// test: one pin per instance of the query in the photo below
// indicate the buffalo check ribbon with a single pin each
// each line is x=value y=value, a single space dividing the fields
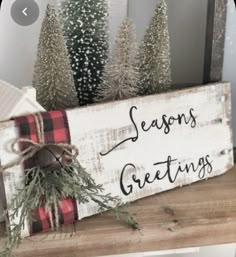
x=56 y=130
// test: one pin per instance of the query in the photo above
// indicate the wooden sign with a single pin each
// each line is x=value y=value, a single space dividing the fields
x=147 y=145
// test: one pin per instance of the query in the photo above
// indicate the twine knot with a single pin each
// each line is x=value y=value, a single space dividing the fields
x=33 y=147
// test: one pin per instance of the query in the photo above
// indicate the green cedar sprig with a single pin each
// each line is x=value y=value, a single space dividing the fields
x=71 y=181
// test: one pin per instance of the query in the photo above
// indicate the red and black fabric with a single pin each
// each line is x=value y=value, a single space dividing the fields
x=56 y=130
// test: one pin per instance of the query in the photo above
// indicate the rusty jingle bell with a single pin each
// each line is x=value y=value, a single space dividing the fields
x=50 y=157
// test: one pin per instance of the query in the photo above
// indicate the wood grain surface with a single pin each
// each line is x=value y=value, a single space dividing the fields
x=145 y=145
x=126 y=145
x=197 y=215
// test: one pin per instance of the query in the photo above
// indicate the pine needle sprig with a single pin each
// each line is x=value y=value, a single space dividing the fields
x=48 y=188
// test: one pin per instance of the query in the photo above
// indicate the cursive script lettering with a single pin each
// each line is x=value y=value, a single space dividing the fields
x=132 y=139
x=202 y=167
x=164 y=124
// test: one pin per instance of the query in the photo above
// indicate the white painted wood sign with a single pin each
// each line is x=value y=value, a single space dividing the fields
x=147 y=145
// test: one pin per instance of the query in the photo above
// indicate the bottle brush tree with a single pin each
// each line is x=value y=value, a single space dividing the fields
x=53 y=77
x=120 y=79
x=154 y=54
x=86 y=29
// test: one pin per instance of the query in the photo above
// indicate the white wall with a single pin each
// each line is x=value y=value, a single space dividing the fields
x=187 y=32
x=118 y=11
x=18 y=46
x=187 y=26
x=230 y=57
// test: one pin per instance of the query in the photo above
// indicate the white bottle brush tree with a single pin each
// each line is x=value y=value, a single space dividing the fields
x=53 y=77
x=121 y=75
x=86 y=29
x=154 y=54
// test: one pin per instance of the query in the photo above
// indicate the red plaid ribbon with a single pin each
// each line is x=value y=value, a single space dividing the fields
x=56 y=130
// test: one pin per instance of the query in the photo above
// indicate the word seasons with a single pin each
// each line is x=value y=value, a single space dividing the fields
x=162 y=169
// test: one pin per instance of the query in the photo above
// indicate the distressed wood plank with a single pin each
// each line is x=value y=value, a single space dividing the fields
x=100 y=128
x=198 y=215
x=145 y=145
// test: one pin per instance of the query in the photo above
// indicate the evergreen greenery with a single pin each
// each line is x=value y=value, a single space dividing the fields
x=71 y=181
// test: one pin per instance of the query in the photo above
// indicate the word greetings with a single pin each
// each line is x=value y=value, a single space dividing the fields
x=163 y=169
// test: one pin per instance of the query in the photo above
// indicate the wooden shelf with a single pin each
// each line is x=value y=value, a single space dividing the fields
x=197 y=215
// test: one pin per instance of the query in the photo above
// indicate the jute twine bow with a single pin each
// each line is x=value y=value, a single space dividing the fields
x=71 y=154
